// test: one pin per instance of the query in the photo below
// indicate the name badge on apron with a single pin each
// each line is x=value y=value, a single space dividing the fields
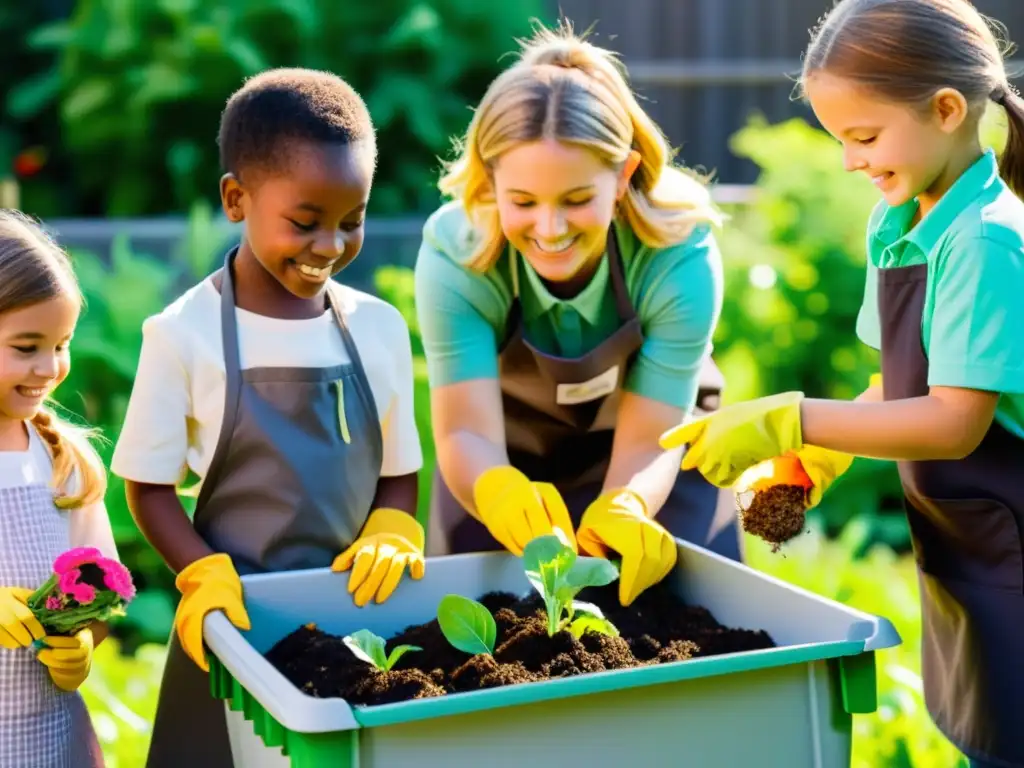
x=600 y=386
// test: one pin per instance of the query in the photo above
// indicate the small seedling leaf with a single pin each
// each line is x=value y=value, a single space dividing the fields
x=467 y=624
x=543 y=549
x=368 y=647
x=398 y=652
x=558 y=574
x=545 y=560
x=591 y=572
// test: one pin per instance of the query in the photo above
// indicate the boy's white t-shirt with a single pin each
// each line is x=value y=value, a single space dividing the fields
x=174 y=415
x=88 y=526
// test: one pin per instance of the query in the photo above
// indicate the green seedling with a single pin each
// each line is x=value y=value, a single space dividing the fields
x=467 y=625
x=372 y=649
x=559 y=574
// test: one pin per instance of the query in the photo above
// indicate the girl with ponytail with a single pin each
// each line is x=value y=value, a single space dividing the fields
x=567 y=297
x=51 y=499
x=903 y=86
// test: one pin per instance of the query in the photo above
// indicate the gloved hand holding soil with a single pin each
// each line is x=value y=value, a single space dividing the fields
x=773 y=498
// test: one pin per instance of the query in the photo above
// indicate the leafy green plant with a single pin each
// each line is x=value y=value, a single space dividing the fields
x=372 y=649
x=119 y=78
x=559 y=574
x=467 y=624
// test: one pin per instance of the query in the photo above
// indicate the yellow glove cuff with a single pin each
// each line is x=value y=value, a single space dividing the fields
x=388 y=520
x=200 y=569
x=814 y=458
x=823 y=466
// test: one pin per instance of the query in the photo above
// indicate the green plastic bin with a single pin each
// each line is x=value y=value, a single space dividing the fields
x=789 y=706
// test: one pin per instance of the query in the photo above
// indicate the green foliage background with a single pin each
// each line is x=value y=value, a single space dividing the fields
x=126 y=95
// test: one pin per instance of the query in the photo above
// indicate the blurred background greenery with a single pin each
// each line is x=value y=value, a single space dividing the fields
x=118 y=100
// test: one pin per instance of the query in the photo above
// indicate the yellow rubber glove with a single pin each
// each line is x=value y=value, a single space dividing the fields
x=725 y=444
x=18 y=625
x=516 y=510
x=823 y=467
x=69 y=659
x=820 y=468
x=390 y=541
x=617 y=520
x=209 y=584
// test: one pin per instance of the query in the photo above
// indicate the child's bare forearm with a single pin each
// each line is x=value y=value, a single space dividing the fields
x=163 y=521
x=399 y=492
x=947 y=424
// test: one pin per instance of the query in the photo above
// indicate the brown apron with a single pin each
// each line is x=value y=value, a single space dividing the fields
x=966 y=518
x=289 y=486
x=560 y=418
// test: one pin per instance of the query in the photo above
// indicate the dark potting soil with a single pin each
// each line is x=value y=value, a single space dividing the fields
x=776 y=514
x=657 y=628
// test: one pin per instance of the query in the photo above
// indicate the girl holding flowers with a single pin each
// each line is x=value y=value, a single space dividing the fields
x=51 y=490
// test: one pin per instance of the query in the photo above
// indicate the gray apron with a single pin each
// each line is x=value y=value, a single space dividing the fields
x=41 y=726
x=290 y=485
x=557 y=432
x=966 y=518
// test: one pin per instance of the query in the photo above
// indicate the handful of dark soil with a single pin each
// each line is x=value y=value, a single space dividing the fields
x=774 y=505
x=775 y=514
x=656 y=629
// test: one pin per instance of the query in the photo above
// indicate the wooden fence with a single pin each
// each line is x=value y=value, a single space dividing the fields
x=704 y=66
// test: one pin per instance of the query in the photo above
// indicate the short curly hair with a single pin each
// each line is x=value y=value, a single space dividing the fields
x=289 y=104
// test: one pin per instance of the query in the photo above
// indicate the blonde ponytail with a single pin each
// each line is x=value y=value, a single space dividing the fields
x=568 y=89
x=75 y=462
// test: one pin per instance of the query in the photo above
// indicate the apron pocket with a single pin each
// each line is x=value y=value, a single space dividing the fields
x=976 y=541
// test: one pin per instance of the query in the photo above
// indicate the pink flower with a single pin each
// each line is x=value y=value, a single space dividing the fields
x=53 y=603
x=76 y=558
x=117 y=578
x=70 y=585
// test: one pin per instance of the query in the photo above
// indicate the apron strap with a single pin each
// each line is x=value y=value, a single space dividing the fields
x=334 y=301
x=513 y=263
x=233 y=388
x=618 y=277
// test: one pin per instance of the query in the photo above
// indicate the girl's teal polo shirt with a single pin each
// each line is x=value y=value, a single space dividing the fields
x=676 y=291
x=973 y=323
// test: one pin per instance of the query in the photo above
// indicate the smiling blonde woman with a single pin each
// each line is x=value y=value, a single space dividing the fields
x=567 y=296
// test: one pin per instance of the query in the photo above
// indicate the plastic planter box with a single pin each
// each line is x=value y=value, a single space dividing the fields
x=788 y=706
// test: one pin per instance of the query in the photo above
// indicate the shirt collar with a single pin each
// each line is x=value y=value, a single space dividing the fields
x=980 y=176
x=976 y=179
x=538 y=300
